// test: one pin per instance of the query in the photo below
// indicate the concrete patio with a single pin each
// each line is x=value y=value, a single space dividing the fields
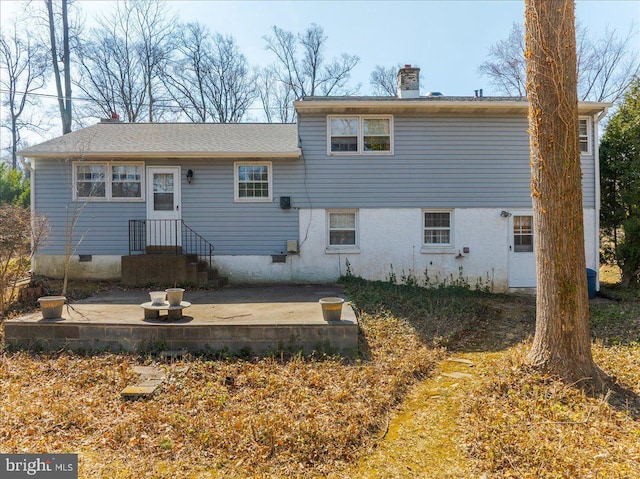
x=259 y=320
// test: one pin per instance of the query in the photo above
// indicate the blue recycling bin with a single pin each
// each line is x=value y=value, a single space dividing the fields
x=591 y=283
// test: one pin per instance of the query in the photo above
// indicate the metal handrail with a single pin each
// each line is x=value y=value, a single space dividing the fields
x=167 y=236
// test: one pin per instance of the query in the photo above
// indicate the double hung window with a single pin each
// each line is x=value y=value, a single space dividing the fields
x=343 y=228
x=253 y=181
x=584 y=135
x=437 y=227
x=363 y=134
x=114 y=181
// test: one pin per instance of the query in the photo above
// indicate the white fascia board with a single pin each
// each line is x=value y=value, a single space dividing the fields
x=509 y=106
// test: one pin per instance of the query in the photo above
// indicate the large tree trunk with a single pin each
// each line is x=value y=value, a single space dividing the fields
x=562 y=344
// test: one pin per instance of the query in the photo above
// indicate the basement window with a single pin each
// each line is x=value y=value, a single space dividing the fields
x=437 y=228
x=342 y=230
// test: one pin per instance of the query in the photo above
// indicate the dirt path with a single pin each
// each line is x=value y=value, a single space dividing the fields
x=423 y=438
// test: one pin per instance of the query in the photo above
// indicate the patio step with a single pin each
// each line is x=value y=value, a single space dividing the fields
x=139 y=270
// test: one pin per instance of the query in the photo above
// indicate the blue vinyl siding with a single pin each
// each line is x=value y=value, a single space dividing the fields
x=207 y=207
x=438 y=162
x=102 y=228
x=449 y=162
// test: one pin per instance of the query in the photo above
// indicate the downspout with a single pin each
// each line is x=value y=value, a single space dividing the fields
x=32 y=201
x=596 y=159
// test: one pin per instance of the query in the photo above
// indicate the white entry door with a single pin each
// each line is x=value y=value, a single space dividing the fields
x=522 y=260
x=163 y=206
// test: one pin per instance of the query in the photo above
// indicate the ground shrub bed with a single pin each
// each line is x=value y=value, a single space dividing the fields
x=439 y=315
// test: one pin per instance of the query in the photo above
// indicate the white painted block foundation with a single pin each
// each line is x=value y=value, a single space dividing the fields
x=389 y=241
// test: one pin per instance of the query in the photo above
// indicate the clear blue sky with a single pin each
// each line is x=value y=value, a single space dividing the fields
x=446 y=39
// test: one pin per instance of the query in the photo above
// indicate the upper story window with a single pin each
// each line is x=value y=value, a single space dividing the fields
x=363 y=134
x=253 y=181
x=116 y=181
x=584 y=135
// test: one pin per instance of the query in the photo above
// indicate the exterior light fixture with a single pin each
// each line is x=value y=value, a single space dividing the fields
x=504 y=214
x=189 y=176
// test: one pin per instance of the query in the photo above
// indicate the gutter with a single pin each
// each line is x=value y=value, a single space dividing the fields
x=596 y=150
x=32 y=203
x=295 y=154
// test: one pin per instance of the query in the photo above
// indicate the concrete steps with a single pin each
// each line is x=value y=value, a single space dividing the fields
x=169 y=270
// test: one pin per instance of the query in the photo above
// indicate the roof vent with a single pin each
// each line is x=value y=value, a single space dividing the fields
x=409 y=82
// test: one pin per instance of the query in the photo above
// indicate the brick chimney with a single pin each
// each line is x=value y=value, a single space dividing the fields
x=115 y=118
x=409 y=82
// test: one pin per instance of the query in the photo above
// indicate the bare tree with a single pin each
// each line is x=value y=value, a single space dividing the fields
x=61 y=54
x=111 y=75
x=121 y=66
x=210 y=79
x=24 y=65
x=506 y=66
x=302 y=67
x=233 y=85
x=384 y=80
x=20 y=237
x=605 y=66
x=156 y=34
x=562 y=343
x=185 y=79
x=276 y=96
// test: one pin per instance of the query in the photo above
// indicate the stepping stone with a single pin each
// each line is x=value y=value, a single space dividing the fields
x=174 y=354
x=149 y=372
x=456 y=375
x=150 y=380
x=135 y=392
x=461 y=361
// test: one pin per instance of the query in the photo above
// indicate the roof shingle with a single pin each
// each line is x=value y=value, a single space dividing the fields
x=195 y=140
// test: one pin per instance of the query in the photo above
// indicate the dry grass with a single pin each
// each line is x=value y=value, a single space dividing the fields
x=518 y=423
x=228 y=418
x=392 y=413
x=301 y=417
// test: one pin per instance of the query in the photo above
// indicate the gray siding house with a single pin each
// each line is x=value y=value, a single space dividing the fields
x=429 y=186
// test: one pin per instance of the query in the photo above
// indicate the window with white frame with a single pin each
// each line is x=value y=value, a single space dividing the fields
x=253 y=181
x=437 y=227
x=363 y=134
x=343 y=228
x=116 y=181
x=584 y=135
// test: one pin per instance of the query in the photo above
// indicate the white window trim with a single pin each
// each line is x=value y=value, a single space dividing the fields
x=236 y=181
x=438 y=248
x=335 y=249
x=360 y=136
x=108 y=179
x=589 y=135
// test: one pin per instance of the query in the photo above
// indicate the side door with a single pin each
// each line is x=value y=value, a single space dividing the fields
x=163 y=206
x=522 y=260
